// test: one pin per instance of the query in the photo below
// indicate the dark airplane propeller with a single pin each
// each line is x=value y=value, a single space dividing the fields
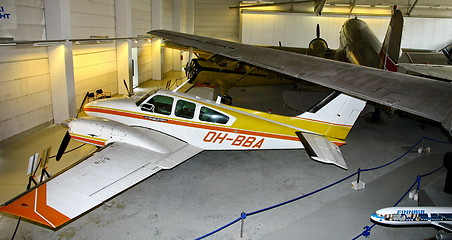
x=317 y=31
x=63 y=146
x=318 y=46
x=67 y=137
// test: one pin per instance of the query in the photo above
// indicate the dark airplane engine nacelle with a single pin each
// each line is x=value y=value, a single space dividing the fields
x=192 y=70
x=444 y=236
x=318 y=47
x=101 y=132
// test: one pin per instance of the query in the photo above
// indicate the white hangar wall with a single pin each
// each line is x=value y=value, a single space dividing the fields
x=297 y=30
x=94 y=65
x=213 y=18
x=141 y=24
x=25 y=85
x=25 y=97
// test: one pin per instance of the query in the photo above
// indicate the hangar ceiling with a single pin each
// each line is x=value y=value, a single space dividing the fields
x=413 y=8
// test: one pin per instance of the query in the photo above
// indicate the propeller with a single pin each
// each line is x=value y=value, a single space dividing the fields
x=63 y=146
x=317 y=31
x=318 y=46
x=67 y=138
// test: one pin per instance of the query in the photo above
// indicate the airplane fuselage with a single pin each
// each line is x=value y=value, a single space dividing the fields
x=202 y=123
x=413 y=215
x=359 y=43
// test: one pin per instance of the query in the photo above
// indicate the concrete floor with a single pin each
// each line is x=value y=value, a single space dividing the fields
x=214 y=187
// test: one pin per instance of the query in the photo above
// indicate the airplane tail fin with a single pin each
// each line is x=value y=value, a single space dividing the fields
x=334 y=116
x=330 y=122
x=390 y=49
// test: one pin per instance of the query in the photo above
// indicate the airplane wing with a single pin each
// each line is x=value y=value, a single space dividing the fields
x=92 y=181
x=444 y=225
x=423 y=97
x=442 y=72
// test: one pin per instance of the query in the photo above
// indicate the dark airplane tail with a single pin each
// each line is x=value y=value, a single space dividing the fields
x=390 y=50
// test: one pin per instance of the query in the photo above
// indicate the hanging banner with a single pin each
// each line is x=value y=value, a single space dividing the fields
x=8 y=18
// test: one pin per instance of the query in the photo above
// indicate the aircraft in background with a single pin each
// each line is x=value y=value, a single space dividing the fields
x=431 y=64
x=358 y=45
x=160 y=130
x=407 y=216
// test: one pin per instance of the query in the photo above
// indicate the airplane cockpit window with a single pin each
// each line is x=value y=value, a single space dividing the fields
x=159 y=104
x=210 y=115
x=144 y=97
x=185 y=109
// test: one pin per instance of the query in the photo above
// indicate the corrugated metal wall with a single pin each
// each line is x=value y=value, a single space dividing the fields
x=25 y=100
x=94 y=65
x=141 y=24
x=213 y=18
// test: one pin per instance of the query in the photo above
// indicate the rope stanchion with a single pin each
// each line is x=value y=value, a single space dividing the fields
x=242 y=216
x=367 y=229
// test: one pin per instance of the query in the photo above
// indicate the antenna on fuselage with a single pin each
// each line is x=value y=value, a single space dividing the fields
x=127 y=88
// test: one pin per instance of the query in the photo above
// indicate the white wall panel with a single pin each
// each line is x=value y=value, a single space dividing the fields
x=141 y=24
x=168 y=14
x=144 y=63
x=427 y=33
x=213 y=18
x=183 y=17
x=25 y=100
x=141 y=17
x=297 y=30
x=92 y=18
x=94 y=68
x=30 y=21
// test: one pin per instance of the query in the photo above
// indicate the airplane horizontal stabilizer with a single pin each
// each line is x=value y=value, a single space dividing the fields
x=321 y=149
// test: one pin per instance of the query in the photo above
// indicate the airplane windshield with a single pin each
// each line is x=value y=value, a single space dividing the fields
x=144 y=97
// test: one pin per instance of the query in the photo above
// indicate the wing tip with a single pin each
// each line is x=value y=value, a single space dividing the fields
x=33 y=206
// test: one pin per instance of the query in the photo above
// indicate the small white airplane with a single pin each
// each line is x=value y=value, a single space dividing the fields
x=438 y=216
x=160 y=130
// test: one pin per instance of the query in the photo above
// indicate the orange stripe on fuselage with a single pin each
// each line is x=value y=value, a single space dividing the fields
x=33 y=206
x=193 y=125
x=88 y=140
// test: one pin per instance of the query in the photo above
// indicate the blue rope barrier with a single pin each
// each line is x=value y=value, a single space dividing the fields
x=367 y=229
x=303 y=196
x=219 y=229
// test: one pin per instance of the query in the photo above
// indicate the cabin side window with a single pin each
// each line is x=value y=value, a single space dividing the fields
x=185 y=109
x=159 y=104
x=210 y=115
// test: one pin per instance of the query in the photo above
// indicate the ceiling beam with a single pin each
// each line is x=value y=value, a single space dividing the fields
x=352 y=5
x=411 y=7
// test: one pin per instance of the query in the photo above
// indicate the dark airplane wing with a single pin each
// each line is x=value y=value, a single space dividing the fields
x=423 y=97
x=441 y=72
